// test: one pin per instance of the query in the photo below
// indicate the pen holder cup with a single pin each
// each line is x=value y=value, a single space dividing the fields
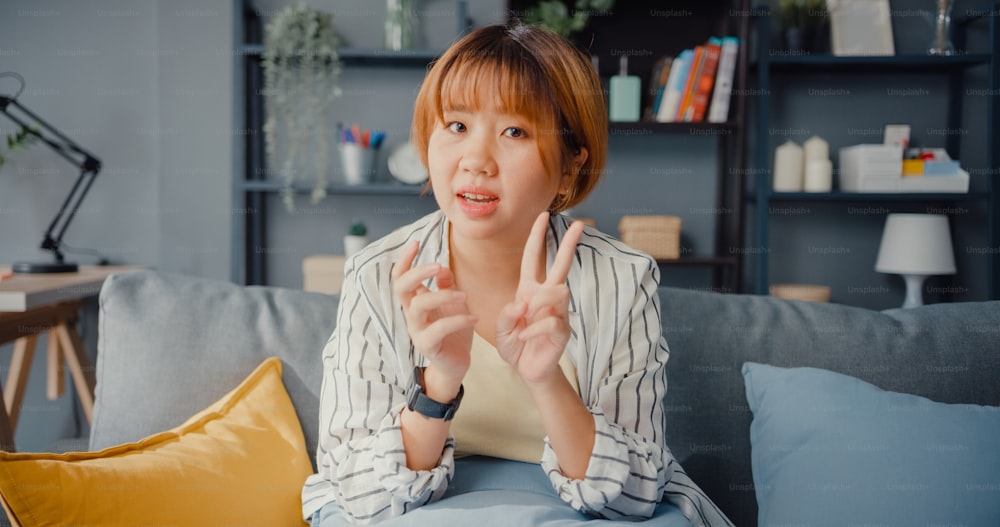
x=358 y=163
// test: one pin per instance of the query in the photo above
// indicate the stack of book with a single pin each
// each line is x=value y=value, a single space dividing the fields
x=696 y=85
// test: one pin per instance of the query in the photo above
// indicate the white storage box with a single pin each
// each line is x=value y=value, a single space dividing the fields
x=870 y=168
x=879 y=168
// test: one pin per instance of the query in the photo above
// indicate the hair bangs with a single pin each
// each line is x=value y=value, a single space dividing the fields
x=511 y=86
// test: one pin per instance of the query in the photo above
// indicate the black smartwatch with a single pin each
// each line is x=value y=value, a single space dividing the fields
x=417 y=400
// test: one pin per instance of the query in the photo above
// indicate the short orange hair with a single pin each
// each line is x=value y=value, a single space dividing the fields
x=532 y=72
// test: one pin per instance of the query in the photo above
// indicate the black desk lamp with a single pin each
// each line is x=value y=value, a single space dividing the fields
x=89 y=167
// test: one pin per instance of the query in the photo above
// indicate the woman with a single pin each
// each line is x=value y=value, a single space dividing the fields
x=495 y=325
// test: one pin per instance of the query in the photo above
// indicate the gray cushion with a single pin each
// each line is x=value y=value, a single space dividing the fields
x=946 y=352
x=170 y=345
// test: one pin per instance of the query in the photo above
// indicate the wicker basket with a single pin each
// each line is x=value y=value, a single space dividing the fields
x=657 y=236
x=805 y=292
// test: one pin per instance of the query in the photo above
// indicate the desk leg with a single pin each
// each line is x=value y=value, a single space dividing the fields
x=79 y=366
x=56 y=385
x=6 y=433
x=17 y=377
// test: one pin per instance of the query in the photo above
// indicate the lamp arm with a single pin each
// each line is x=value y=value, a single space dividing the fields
x=69 y=207
x=88 y=161
x=89 y=167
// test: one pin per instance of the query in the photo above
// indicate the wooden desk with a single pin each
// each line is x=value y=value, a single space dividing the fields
x=34 y=303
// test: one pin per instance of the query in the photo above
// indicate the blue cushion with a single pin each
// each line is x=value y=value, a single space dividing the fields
x=491 y=491
x=830 y=449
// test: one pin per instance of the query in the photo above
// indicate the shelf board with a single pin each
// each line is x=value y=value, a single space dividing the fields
x=699 y=261
x=873 y=196
x=654 y=128
x=896 y=63
x=366 y=56
x=382 y=189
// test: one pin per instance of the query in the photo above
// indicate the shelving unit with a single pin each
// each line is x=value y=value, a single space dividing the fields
x=718 y=18
x=650 y=31
x=952 y=67
x=250 y=187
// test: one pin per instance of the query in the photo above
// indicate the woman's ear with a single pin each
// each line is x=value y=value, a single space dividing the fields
x=580 y=158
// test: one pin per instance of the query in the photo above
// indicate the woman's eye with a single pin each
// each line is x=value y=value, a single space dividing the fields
x=515 y=132
x=456 y=127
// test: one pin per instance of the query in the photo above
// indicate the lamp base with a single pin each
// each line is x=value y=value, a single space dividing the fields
x=37 y=268
x=914 y=290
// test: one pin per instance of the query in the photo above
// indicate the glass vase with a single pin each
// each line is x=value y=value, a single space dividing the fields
x=941 y=45
x=400 y=19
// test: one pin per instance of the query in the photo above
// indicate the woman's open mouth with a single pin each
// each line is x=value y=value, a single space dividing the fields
x=477 y=203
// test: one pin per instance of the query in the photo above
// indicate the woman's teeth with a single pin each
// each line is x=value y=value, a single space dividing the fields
x=477 y=197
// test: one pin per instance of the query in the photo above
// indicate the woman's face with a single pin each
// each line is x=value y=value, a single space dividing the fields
x=487 y=173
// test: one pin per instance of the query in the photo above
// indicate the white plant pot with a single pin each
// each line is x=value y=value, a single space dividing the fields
x=353 y=244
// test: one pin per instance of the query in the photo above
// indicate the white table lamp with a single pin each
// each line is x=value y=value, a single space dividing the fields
x=915 y=246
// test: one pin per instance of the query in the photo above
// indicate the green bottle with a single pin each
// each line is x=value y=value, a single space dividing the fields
x=624 y=95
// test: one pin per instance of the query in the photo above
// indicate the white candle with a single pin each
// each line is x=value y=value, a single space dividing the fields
x=788 y=168
x=819 y=175
x=816 y=148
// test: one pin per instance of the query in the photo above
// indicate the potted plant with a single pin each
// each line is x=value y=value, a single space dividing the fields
x=356 y=239
x=554 y=14
x=301 y=67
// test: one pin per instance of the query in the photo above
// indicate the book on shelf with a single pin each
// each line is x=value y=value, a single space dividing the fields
x=697 y=84
x=697 y=62
x=657 y=83
x=718 y=110
x=667 y=111
x=702 y=87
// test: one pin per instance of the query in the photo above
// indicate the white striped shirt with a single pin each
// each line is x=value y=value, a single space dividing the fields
x=616 y=344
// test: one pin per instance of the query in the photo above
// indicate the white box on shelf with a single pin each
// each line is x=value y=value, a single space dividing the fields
x=958 y=183
x=870 y=168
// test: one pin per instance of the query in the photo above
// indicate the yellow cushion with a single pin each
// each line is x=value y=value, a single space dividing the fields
x=241 y=461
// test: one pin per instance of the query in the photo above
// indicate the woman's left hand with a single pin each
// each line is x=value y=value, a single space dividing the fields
x=533 y=330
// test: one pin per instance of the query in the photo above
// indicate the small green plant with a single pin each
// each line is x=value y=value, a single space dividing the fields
x=20 y=140
x=358 y=229
x=804 y=14
x=554 y=14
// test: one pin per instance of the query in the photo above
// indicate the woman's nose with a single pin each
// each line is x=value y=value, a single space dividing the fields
x=477 y=156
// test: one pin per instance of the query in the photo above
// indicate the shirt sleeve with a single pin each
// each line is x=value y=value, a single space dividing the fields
x=365 y=378
x=631 y=469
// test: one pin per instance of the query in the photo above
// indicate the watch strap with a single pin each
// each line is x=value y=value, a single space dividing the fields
x=419 y=402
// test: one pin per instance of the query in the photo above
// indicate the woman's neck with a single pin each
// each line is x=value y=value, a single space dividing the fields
x=481 y=260
x=492 y=264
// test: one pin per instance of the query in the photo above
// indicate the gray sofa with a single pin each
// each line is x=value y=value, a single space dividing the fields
x=170 y=345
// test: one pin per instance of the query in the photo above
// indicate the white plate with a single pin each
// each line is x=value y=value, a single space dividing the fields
x=405 y=165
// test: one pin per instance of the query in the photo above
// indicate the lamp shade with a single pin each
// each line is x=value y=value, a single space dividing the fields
x=917 y=244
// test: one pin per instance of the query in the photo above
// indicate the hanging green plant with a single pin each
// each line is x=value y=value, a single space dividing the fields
x=554 y=15
x=301 y=69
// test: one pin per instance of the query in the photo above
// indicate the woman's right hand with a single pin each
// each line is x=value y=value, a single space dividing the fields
x=439 y=322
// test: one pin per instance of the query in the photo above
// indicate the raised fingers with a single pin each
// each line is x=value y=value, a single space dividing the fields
x=548 y=300
x=423 y=304
x=533 y=249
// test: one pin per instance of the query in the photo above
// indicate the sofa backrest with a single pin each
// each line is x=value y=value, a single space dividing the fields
x=946 y=352
x=170 y=345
